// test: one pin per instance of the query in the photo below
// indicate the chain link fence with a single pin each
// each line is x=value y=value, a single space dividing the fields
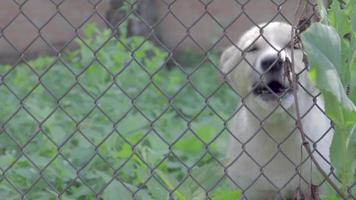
x=117 y=113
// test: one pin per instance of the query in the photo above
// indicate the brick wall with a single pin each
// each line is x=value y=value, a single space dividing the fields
x=206 y=30
x=21 y=24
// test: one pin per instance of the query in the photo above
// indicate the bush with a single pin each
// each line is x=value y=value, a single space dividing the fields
x=109 y=120
x=331 y=49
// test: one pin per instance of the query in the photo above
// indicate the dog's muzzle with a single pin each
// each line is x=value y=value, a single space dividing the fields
x=272 y=90
x=271 y=85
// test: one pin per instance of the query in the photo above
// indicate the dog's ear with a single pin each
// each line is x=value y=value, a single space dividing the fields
x=228 y=61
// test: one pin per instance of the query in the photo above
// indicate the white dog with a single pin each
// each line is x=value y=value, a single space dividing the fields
x=267 y=157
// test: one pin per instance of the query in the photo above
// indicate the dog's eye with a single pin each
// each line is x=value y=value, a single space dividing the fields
x=252 y=48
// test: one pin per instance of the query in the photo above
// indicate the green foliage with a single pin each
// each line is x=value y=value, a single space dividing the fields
x=331 y=50
x=110 y=119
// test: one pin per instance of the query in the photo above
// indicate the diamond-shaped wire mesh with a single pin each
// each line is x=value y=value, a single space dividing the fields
x=119 y=112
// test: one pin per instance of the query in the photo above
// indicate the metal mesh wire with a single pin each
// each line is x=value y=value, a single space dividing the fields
x=134 y=134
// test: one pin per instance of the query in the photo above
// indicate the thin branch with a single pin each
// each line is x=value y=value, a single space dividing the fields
x=294 y=84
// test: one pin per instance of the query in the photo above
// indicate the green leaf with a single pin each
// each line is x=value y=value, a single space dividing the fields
x=191 y=189
x=323 y=13
x=322 y=40
x=227 y=195
x=351 y=147
x=353 y=15
x=116 y=191
x=337 y=112
x=339 y=19
x=125 y=152
x=341 y=154
x=333 y=197
x=157 y=190
x=352 y=92
x=171 y=182
x=322 y=45
x=90 y=30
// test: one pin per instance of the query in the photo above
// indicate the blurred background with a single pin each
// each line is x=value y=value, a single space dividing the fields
x=36 y=27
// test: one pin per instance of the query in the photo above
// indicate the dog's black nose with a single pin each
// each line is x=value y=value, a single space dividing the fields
x=271 y=64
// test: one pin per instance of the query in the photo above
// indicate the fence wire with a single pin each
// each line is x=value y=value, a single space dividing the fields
x=122 y=116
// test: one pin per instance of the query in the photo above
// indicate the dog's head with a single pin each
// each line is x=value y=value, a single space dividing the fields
x=256 y=66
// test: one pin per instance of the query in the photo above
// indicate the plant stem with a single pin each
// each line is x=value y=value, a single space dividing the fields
x=294 y=84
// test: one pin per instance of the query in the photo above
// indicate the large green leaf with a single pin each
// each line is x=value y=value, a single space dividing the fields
x=323 y=47
x=322 y=44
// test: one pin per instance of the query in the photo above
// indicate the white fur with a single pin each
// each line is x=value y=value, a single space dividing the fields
x=263 y=131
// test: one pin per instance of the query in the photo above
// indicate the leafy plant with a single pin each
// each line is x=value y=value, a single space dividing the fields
x=331 y=50
x=109 y=120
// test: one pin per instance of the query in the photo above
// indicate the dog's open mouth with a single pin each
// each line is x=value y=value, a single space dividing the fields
x=273 y=89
